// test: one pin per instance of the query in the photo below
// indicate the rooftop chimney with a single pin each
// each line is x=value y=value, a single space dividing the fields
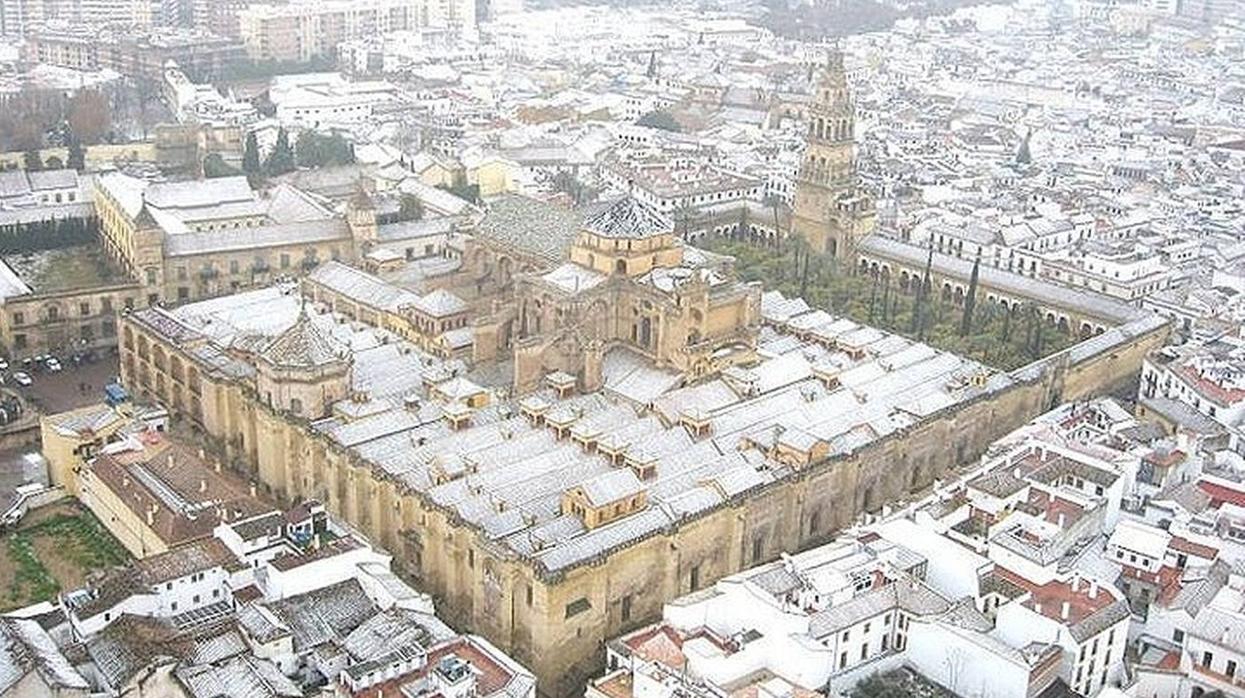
x=1063 y=611
x=1093 y=589
x=202 y=485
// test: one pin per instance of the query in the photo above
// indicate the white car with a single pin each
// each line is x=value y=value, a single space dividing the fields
x=4 y=364
x=53 y=364
x=22 y=378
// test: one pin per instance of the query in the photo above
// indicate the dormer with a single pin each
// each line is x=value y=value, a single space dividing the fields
x=561 y=419
x=641 y=462
x=586 y=436
x=446 y=467
x=561 y=383
x=534 y=407
x=457 y=414
x=798 y=448
x=614 y=448
x=696 y=421
x=828 y=374
x=605 y=498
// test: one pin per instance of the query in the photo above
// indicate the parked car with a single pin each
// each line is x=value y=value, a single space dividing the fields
x=4 y=364
x=23 y=379
x=53 y=364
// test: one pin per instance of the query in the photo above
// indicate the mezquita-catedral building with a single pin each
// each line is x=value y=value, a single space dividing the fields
x=580 y=419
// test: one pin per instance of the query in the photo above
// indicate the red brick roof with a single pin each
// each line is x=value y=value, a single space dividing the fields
x=1052 y=595
x=1220 y=494
x=1184 y=545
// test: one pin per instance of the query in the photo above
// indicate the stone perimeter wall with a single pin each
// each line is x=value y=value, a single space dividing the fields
x=531 y=614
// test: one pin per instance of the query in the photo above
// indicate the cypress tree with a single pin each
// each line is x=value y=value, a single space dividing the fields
x=922 y=292
x=281 y=159
x=250 y=155
x=970 y=299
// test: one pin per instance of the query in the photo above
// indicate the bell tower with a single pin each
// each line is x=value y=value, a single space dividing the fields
x=831 y=212
x=361 y=219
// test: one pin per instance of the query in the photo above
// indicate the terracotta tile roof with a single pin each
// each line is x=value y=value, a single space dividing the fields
x=1048 y=599
x=1187 y=546
x=185 y=497
x=186 y=559
x=1220 y=494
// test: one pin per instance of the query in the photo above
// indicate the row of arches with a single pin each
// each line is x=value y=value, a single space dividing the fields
x=830 y=129
x=954 y=292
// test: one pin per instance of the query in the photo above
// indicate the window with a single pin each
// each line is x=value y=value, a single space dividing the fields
x=625 y=608
x=471 y=558
x=529 y=595
x=1230 y=669
x=577 y=607
x=173 y=606
x=1207 y=658
x=695 y=577
x=19 y=318
x=843 y=660
x=864 y=650
x=233 y=267
x=285 y=261
x=84 y=308
x=1178 y=635
x=105 y=305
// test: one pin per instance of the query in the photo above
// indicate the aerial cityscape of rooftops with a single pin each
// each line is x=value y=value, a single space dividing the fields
x=622 y=349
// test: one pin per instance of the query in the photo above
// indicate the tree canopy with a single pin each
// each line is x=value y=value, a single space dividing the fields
x=661 y=119
x=281 y=159
x=410 y=208
x=215 y=166
x=316 y=150
x=1003 y=339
